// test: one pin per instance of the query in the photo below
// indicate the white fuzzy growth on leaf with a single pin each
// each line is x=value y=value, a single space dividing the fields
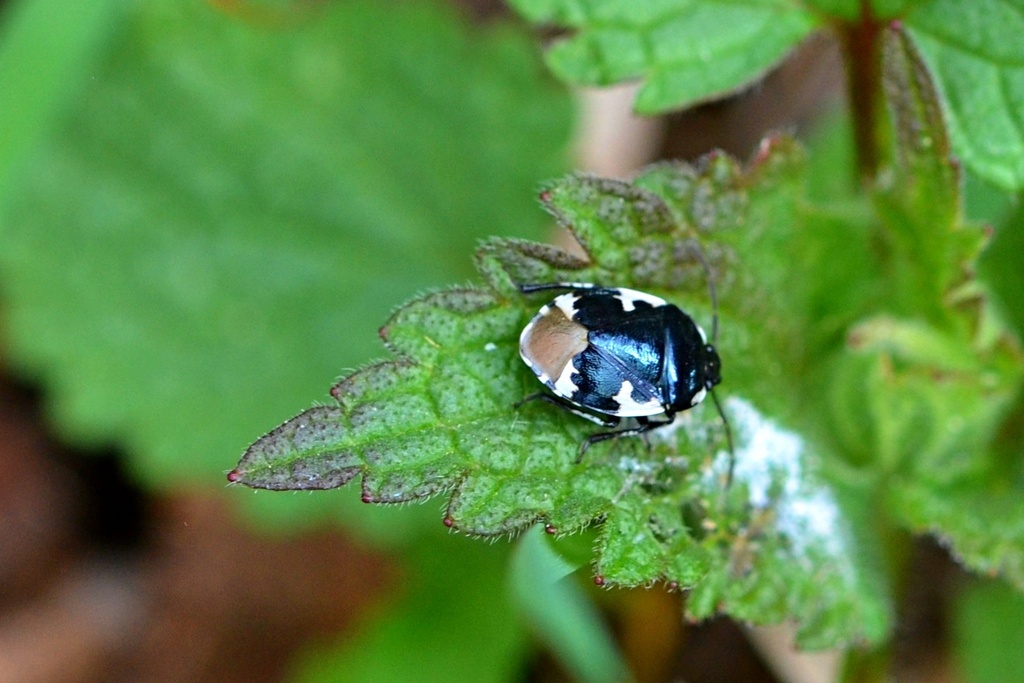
x=772 y=463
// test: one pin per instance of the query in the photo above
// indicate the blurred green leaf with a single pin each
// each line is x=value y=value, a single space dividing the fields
x=947 y=381
x=684 y=51
x=925 y=168
x=982 y=522
x=832 y=162
x=851 y=9
x=1000 y=267
x=976 y=55
x=988 y=628
x=454 y=622
x=908 y=417
x=45 y=49
x=561 y=613
x=928 y=246
x=847 y=9
x=987 y=203
x=222 y=213
x=924 y=382
x=886 y=9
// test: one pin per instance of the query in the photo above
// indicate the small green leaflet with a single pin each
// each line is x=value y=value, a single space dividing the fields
x=684 y=50
x=975 y=53
x=924 y=381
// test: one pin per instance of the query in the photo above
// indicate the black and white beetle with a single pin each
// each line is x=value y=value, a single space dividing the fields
x=611 y=353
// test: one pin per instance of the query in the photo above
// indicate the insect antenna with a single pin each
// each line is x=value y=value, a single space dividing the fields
x=713 y=295
x=728 y=438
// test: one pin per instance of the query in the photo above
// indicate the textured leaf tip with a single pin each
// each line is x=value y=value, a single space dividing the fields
x=915 y=103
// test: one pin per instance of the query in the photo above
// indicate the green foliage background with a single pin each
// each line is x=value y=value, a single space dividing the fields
x=204 y=218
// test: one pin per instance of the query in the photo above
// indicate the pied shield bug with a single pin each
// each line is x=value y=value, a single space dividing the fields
x=624 y=359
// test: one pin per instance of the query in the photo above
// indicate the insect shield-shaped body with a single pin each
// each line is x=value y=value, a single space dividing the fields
x=613 y=353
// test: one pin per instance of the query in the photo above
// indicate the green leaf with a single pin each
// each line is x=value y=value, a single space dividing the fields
x=988 y=628
x=852 y=9
x=832 y=163
x=929 y=247
x=458 y=372
x=797 y=554
x=927 y=175
x=845 y=9
x=439 y=418
x=924 y=382
x=1000 y=267
x=684 y=51
x=221 y=214
x=42 y=63
x=561 y=613
x=918 y=402
x=454 y=622
x=976 y=55
x=986 y=203
x=930 y=383
x=981 y=522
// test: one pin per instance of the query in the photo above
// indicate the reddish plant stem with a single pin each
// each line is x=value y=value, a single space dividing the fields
x=863 y=58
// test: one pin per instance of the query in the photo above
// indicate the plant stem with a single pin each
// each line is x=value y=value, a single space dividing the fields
x=862 y=55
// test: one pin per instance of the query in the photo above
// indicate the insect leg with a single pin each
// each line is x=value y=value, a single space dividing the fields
x=607 y=421
x=546 y=286
x=728 y=438
x=644 y=425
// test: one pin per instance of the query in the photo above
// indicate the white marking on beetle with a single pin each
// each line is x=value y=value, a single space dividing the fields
x=703 y=336
x=593 y=418
x=564 y=386
x=699 y=396
x=522 y=354
x=629 y=297
x=630 y=407
x=565 y=302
